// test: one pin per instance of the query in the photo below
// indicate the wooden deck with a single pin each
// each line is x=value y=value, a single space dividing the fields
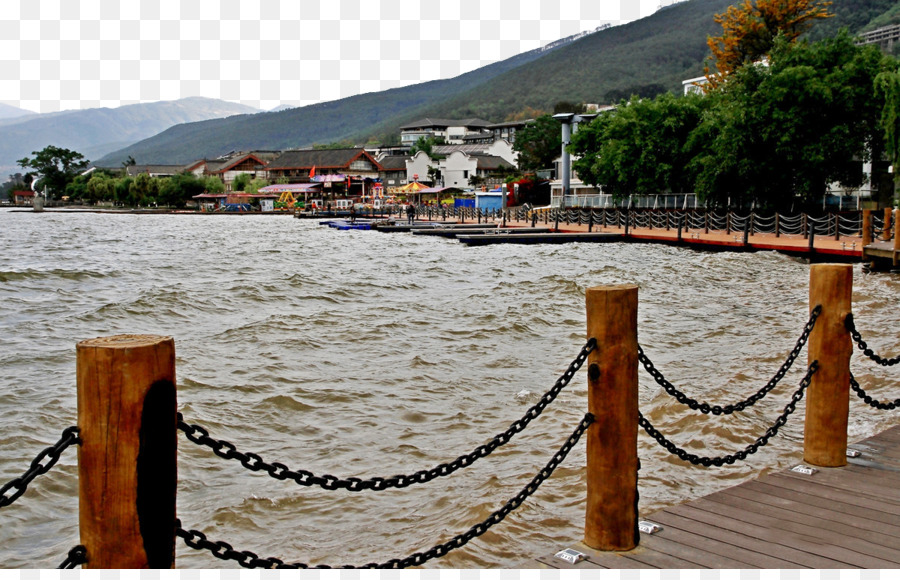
x=847 y=517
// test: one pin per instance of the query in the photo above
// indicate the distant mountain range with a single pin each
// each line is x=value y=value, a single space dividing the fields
x=97 y=132
x=646 y=57
x=10 y=112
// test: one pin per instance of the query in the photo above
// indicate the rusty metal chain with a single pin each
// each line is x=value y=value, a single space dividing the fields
x=224 y=551
x=875 y=403
x=750 y=449
x=20 y=484
x=254 y=462
x=861 y=344
x=706 y=408
x=76 y=557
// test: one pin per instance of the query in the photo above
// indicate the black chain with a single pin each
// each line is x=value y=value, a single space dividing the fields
x=20 y=484
x=706 y=408
x=77 y=556
x=875 y=403
x=740 y=455
x=254 y=462
x=851 y=328
x=224 y=551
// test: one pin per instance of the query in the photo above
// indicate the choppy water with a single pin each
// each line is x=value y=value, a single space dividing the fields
x=367 y=354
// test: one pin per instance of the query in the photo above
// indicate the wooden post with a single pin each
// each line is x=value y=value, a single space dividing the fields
x=866 y=227
x=777 y=225
x=896 y=237
x=127 y=459
x=828 y=395
x=612 y=463
x=837 y=227
x=886 y=231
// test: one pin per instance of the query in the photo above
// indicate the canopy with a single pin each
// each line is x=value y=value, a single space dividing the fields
x=290 y=187
x=412 y=187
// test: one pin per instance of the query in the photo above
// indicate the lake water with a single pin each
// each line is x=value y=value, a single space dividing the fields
x=365 y=354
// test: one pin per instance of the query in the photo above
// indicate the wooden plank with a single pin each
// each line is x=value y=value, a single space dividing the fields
x=706 y=554
x=824 y=556
x=868 y=543
x=742 y=541
x=802 y=512
x=826 y=496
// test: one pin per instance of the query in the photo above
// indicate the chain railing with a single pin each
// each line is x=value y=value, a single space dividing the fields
x=861 y=344
x=872 y=402
x=748 y=450
x=706 y=408
x=254 y=462
x=17 y=486
x=224 y=551
x=38 y=467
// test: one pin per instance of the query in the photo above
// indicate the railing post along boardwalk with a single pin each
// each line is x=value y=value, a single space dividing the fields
x=612 y=464
x=828 y=396
x=127 y=458
x=611 y=521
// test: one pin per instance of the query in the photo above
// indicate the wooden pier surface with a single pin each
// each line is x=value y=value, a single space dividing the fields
x=845 y=517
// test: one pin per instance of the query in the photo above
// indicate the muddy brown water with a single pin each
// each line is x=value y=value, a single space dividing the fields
x=357 y=353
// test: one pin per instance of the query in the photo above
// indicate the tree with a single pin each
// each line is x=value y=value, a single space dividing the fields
x=780 y=134
x=240 y=182
x=749 y=31
x=888 y=86
x=101 y=187
x=641 y=147
x=54 y=168
x=425 y=144
x=539 y=143
x=143 y=190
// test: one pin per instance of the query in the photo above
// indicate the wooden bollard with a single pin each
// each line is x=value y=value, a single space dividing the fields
x=886 y=230
x=611 y=521
x=127 y=459
x=828 y=394
x=896 y=237
x=866 y=227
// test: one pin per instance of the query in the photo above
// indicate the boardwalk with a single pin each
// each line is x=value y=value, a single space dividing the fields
x=847 y=248
x=847 y=517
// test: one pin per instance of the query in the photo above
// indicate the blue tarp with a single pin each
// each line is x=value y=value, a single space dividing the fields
x=463 y=202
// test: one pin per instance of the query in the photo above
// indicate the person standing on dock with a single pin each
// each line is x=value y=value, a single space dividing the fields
x=410 y=213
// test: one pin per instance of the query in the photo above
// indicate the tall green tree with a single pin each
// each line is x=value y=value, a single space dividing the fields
x=539 y=143
x=641 y=147
x=54 y=167
x=778 y=135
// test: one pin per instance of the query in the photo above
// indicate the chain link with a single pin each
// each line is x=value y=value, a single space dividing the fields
x=706 y=408
x=750 y=449
x=20 y=484
x=224 y=551
x=875 y=403
x=254 y=462
x=861 y=344
x=76 y=557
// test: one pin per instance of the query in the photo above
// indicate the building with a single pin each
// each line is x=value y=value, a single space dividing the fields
x=446 y=130
x=885 y=37
x=343 y=172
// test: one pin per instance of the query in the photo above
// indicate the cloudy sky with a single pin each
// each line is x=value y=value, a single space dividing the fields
x=66 y=54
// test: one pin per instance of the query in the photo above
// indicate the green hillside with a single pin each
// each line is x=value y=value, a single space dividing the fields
x=648 y=56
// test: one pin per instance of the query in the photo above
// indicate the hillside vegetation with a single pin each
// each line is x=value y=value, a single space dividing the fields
x=647 y=57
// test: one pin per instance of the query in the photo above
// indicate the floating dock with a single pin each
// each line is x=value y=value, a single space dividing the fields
x=547 y=237
x=485 y=231
x=841 y=517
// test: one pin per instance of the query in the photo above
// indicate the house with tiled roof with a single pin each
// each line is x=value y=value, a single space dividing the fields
x=350 y=172
x=446 y=130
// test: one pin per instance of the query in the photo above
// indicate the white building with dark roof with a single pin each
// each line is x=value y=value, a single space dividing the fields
x=450 y=130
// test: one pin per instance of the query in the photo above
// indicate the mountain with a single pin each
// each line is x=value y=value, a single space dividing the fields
x=646 y=57
x=96 y=132
x=302 y=126
x=10 y=112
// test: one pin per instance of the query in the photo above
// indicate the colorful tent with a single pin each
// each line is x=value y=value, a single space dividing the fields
x=412 y=187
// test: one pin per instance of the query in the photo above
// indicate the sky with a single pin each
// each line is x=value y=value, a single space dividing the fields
x=71 y=54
